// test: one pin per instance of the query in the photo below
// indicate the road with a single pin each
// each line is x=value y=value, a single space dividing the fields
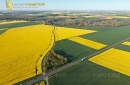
x=43 y=77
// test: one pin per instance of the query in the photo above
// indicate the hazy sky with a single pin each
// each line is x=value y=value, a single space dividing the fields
x=74 y=4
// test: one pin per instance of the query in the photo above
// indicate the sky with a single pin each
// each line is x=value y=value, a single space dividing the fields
x=73 y=4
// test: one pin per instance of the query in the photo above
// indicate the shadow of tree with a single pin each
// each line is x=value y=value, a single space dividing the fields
x=63 y=53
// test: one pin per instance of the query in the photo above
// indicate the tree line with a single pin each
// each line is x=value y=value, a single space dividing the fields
x=79 y=22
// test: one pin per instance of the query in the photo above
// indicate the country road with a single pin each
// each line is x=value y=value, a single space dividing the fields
x=43 y=77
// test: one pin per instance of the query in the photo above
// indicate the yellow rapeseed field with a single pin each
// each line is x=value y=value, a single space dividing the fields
x=115 y=59
x=126 y=43
x=121 y=17
x=56 y=12
x=10 y=22
x=21 y=52
x=40 y=83
x=89 y=43
x=22 y=49
x=66 y=33
x=89 y=16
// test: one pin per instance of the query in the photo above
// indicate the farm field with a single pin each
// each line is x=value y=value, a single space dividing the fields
x=4 y=26
x=92 y=72
x=67 y=47
x=40 y=83
x=126 y=43
x=88 y=73
x=19 y=40
x=106 y=36
x=109 y=68
x=89 y=43
x=2 y=30
x=125 y=46
x=66 y=32
x=88 y=39
x=93 y=17
x=125 y=17
x=11 y=22
x=56 y=12
x=109 y=35
x=21 y=56
x=89 y=16
x=115 y=59
x=107 y=17
x=15 y=24
x=59 y=16
x=116 y=17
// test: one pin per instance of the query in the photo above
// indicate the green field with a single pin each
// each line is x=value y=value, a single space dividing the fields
x=88 y=73
x=123 y=47
x=121 y=18
x=109 y=35
x=19 y=24
x=72 y=50
x=93 y=18
x=2 y=31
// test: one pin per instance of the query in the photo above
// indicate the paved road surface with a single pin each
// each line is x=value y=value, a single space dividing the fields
x=43 y=77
